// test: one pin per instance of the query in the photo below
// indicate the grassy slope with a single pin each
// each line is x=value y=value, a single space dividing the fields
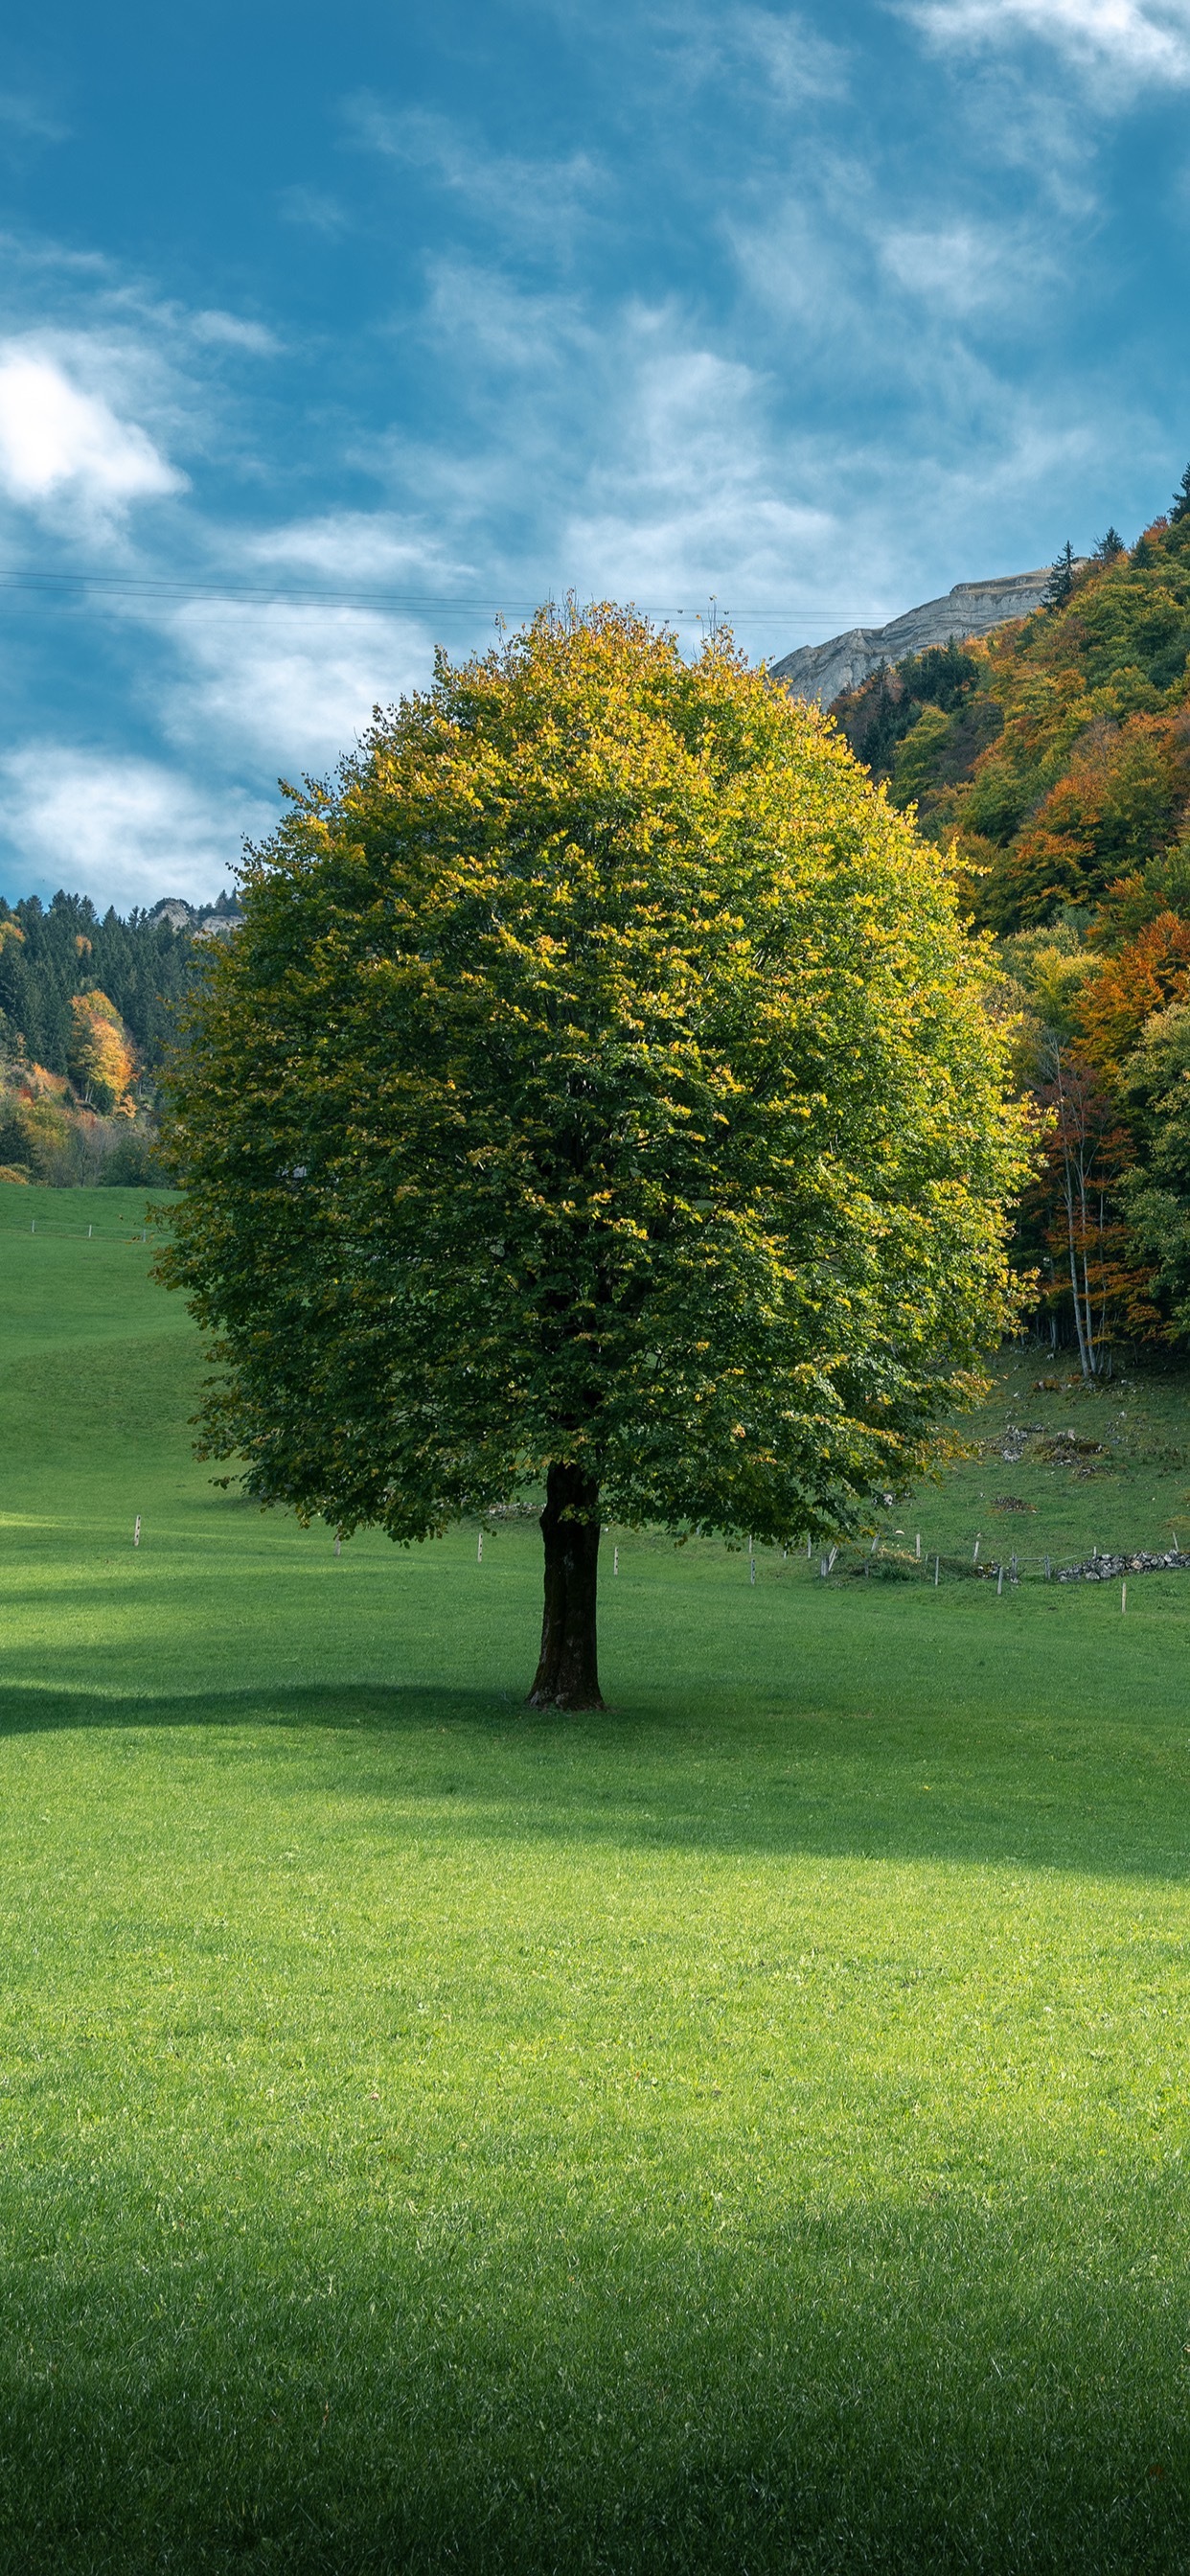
x=744 y=2130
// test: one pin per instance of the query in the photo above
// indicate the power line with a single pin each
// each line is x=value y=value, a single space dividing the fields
x=55 y=584
x=59 y=585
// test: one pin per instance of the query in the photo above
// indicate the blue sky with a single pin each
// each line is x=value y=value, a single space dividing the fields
x=330 y=333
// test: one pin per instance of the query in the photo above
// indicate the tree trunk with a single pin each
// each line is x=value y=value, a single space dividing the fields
x=1074 y=1290
x=567 y=1675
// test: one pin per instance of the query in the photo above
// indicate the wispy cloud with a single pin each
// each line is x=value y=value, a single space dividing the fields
x=285 y=689
x=879 y=301
x=772 y=54
x=32 y=260
x=232 y=331
x=967 y=267
x=795 y=60
x=707 y=490
x=367 y=550
x=1139 y=41
x=26 y=118
x=685 y=496
x=534 y=200
x=646 y=465
x=120 y=829
x=315 y=209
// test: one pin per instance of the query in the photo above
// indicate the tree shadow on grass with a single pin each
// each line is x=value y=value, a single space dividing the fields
x=1070 y=1793
x=480 y=2389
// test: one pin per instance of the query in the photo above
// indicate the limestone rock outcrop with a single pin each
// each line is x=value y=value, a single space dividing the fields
x=821 y=671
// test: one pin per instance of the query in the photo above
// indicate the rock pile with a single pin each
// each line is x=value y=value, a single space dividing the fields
x=1102 y=1569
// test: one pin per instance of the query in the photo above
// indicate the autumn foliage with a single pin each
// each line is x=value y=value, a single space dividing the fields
x=102 y=1061
x=1142 y=977
x=84 y=1125
x=1051 y=762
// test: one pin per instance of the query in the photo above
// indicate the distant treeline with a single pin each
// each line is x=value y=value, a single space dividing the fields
x=140 y=963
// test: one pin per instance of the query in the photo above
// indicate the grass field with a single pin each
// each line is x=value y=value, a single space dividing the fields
x=746 y=2130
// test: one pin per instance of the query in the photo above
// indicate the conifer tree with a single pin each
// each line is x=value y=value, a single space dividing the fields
x=1061 y=581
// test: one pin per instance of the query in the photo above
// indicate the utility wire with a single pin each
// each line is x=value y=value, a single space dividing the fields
x=60 y=584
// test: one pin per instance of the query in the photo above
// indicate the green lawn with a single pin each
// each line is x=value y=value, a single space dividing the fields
x=747 y=2130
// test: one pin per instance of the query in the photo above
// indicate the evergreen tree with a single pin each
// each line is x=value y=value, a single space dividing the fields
x=1179 y=507
x=1111 y=544
x=1061 y=581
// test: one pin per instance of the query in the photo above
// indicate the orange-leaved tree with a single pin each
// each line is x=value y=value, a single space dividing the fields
x=1144 y=976
x=102 y=1058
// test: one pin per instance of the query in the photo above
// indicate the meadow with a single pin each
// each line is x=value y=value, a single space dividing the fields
x=746 y=2129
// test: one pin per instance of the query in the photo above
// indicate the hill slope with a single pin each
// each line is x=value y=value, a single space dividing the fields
x=1051 y=761
x=1054 y=755
x=821 y=671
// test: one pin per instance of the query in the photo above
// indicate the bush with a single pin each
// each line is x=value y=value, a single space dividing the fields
x=133 y=1162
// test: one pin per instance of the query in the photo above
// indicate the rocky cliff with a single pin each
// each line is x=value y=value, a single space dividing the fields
x=821 y=671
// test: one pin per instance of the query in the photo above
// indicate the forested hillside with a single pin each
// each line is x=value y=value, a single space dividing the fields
x=1051 y=761
x=86 y=1005
x=49 y=955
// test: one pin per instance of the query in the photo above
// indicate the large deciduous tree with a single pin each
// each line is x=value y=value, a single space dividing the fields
x=599 y=1098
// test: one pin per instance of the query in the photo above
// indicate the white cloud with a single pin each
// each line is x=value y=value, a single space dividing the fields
x=794 y=60
x=648 y=464
x=364 y=549
x=1138 y=40
x=59 y=440
x=687 y=498
x=966 y=267
x=29 y=260
x=538 y=201
x=697 y=475
x=292 y=688
x=229 y=331
x=775 y=53
x=120 y=829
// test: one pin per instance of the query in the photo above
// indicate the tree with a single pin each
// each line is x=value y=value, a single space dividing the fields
x=1142 y=978
x=598 y=1096
x=1156 y=1091
x=1061 y=581
x=1110 y=544
x=101 y=1062
x=1179 y=507
x=1076 y=1194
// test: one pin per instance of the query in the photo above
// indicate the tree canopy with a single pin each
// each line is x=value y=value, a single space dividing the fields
x=598 y=1095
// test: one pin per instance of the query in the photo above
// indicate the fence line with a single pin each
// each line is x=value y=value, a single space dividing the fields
x=74 y=1233
x=1103 y=1565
